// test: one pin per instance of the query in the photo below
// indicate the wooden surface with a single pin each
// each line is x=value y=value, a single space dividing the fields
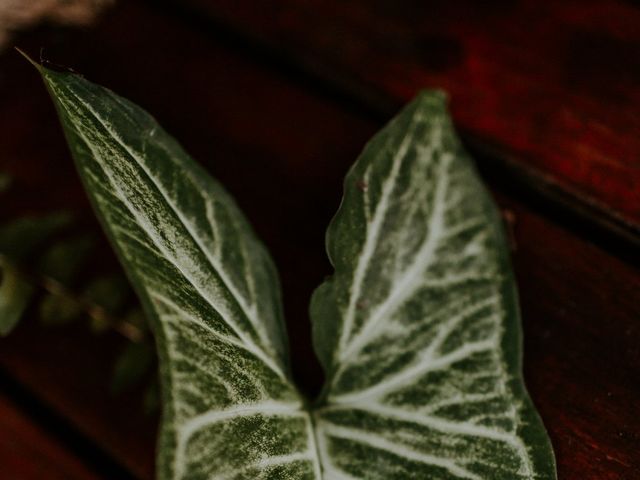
x=554 y=84
x=22 y=441
x=277 y=103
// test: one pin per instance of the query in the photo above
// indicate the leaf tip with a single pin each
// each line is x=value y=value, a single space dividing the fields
x=434 y=95
x=29 y=59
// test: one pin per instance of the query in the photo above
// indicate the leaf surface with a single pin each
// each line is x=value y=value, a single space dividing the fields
x=418 y=329
x=230 y=410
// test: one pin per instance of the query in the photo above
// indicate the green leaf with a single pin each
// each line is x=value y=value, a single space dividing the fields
x=21 y=237
x=18 y=240
x=229 y=407
x=418 y=329
x=151 y=398
x=63 y=260
x=15 y=294
x=131 y=365
x=5 y=182
x=58 y=310
x=110 y=292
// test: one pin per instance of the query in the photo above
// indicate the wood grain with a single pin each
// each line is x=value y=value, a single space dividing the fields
x=582 y=354
x=282 y=149
x=30 y=453
x=553 y=85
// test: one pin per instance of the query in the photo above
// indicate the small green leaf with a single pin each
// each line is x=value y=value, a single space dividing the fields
x=18 y=241
x=151 y=398
x=132 y=364
x=136 y=318
x=58 y=310
x=99 y=324
x=5 y=182
x=110 y=292
x=20 y=238
x=15 y=294
x=63 y=260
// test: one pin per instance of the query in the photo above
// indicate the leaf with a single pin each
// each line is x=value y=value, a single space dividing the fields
x=418 y=329
x=15 y=293
x=230 y=409
x=18 y=240
x=21 y=237
x=131 y=365
x=5 y=182
x=63 y=260
x=110 y=292
x=60 y=264
x=151 y=398
x=58 y=310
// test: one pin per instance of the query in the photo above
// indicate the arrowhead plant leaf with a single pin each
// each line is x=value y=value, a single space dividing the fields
x=418 y=329
x=230 y=409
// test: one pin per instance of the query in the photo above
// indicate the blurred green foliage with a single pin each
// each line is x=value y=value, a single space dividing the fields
x=42 y=261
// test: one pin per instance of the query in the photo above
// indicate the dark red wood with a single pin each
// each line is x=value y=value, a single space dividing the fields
x=282 y=151
x=29 y=453
x=70 y=370
x=582 y=347
x=556 y=85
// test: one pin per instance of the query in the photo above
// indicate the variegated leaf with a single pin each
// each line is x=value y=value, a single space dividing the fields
x=230 y=410
x=418 y=329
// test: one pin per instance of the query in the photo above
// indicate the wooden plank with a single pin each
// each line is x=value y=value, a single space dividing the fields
x=27 y=452
x=581 y=340
x=69 y=370
x=551 y=85
x=282 y=151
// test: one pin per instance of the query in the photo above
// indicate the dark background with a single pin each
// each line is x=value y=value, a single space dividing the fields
x=276 y=99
